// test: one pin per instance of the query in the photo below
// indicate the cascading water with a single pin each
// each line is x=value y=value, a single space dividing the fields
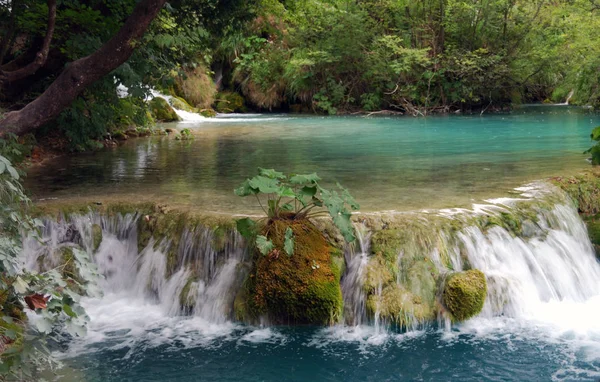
x=356 y=256
x=186 y=116
x=542 y=277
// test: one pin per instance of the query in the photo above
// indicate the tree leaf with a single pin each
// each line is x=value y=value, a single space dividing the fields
x=264 y=245
x=36 y=301
x=288 y=244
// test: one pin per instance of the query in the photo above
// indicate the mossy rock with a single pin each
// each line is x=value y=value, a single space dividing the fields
x=162 y=111
x=230 y=102
x=387 y=243
x=181 y=104
x=464 y=294
x=96 y=236
x=584 y=189
x=208 y=113
x=300 y=289
x=188 y=296
x=401 y=307
x=593 y=227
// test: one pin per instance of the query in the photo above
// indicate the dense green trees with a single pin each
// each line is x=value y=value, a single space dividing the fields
x=326 y=56
x=418 y=56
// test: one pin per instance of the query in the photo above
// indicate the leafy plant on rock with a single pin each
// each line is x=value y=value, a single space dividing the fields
x=293 y=197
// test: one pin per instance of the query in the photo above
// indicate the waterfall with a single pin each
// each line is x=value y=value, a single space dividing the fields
x=545 y=264
x=203 y=280
x=186 y=116
x=539 y=267
x=356 y=256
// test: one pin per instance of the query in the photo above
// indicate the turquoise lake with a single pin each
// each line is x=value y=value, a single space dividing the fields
x=397 y=163
x=388 y=164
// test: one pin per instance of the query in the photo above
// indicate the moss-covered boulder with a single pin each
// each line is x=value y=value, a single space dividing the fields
x=230 y=102
x=208 y=113
x=397 y=305
x=300 y=289
x=181 y=104
x=464 y=294
x=162 y=111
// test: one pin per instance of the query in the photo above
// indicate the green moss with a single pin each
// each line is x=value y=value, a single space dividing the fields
x=208 y=113
x=584 y=189
x=303 y=288
x=388 y=243
x=181 y=104
x=187 y=297
x=229 y=102
x=162 y=111
x=593 y=227
x=96 y=236
x=464 y=294
x=397 y=305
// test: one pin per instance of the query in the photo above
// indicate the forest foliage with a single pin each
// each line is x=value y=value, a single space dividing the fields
x=317 y=56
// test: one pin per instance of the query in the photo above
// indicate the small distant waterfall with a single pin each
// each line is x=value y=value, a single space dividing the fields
x=569 y=97
x=186 y=116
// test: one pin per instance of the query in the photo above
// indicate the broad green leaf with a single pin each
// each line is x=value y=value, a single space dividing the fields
x=2 y=167
x=288 y=244
x=245 y=189
x=264 y=245
x=264 y=184
x=20 y=285
x=246 y=227
x=286 y=192
x=43 y=325
x=68 y=310
x=344 y=224
x=307 y=192
x=10 y=334
x=304 y=179
x=270 y=173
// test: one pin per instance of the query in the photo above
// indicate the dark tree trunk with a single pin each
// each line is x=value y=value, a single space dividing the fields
x=82 y=73
x=40 y=57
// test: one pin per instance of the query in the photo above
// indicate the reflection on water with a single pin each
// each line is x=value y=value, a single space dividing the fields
x=387 y=163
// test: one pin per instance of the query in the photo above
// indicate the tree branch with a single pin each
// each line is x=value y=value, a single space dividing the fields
x=83 y=72
x=41 y=56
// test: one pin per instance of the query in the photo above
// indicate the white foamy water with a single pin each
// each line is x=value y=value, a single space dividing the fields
x=543 y=288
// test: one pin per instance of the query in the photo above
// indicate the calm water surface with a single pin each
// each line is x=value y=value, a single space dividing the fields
x=387 y=163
